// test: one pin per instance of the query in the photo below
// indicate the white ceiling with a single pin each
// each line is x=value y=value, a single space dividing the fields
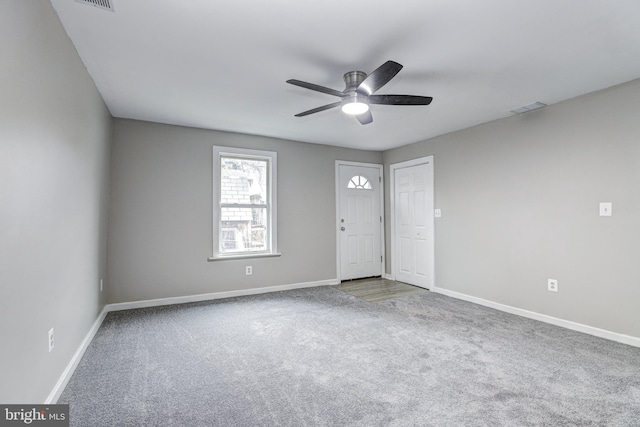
x=223 y=64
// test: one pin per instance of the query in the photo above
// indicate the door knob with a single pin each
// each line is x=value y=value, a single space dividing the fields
x=342 y=228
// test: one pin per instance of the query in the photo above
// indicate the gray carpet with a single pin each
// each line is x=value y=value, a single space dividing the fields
x=321 y=357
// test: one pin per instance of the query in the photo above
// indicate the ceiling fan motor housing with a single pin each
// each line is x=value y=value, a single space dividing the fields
x=352 y=80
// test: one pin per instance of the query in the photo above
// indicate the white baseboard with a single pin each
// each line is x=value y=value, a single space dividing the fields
x=389 y=276
x=75 y=360
x=602 y=333
x=215 y=295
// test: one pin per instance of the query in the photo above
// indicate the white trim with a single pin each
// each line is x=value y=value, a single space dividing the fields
x=244 y=256
x=392 y=169
x=366 y=165
x=590 y=330
x=216 y=295
x=381 y=200
x=75 y=360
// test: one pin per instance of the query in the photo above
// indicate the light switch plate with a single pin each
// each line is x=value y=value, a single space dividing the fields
x=606 y=209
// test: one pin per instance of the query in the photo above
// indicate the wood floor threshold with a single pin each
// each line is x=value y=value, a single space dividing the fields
x=378 y=289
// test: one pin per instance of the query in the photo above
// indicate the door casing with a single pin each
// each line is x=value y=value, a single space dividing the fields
x=338 y=212
x=392 y=210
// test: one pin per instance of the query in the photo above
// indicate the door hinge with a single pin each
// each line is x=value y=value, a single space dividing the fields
x=380 y=219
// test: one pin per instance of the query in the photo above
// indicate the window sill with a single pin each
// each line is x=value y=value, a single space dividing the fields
x=242 y=256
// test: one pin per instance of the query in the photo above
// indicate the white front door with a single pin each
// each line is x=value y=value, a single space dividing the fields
x=413 y=223
x=359 y=221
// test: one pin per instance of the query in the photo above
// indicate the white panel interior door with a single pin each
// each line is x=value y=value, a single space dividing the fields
x=359 y=221
x=413 y=228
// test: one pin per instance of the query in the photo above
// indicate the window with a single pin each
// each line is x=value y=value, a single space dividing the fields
x=359 y=182
x=244 y=214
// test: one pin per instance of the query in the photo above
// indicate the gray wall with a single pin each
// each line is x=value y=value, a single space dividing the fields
x=54 y=153
x=519 y=200
x=160 y=232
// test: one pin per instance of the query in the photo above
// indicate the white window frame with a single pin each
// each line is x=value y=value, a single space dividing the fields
x=272 y=212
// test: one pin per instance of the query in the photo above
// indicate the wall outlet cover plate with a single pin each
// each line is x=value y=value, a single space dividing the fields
x=606 y=209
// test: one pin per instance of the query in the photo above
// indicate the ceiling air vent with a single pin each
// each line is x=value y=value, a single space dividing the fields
x=530 y=107
x=102 y=4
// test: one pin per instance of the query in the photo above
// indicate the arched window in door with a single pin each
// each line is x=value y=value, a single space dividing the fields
x=359 y=182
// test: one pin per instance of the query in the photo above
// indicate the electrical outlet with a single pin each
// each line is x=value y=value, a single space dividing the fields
x=249 y=270
x=552 y=285
x=438 y=213
x=606 y=209
x=50 y=340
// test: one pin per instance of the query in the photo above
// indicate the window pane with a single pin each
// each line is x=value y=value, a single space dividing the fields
x=243 y=230
x=359 y=182
x=243 y=181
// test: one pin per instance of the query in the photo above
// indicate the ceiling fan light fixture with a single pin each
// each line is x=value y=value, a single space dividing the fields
x=355 y=108
x=355 y=103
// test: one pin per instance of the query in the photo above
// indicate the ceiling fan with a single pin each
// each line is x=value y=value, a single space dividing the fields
x=359 y=93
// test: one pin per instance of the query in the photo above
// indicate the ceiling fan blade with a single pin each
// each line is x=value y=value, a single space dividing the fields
x=400 y=99
x=315 y=87
x=365 y=118
x=379 y=77
x=318 y=109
